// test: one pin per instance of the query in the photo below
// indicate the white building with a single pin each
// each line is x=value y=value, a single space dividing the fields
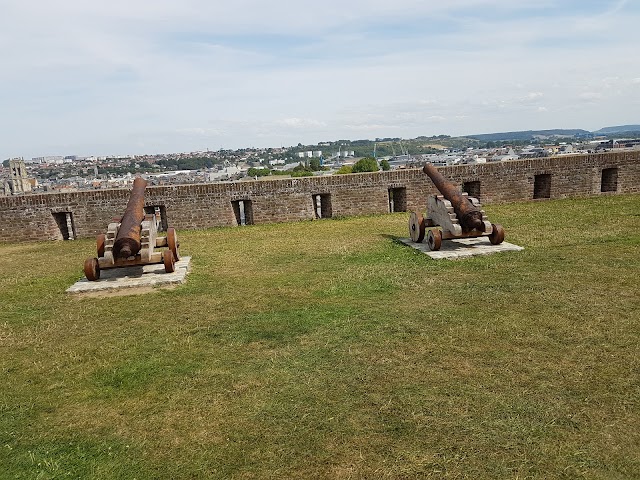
x=225 y=174
x=309 y=154
x=48 y=159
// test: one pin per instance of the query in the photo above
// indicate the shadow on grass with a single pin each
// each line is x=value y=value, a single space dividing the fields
x=394 y=238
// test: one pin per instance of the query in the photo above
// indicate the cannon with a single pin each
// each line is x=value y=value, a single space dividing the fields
x=133 y=240
x=453 y=214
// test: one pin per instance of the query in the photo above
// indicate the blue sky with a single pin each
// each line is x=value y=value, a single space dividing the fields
x=146 y=76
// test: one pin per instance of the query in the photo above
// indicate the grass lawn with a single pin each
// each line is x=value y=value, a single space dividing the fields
x=326 y=349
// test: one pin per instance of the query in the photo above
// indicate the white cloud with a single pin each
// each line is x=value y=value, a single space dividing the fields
x=301 y=122
x=533 y=96
x=79 y=73
x=589 y=96
x=200 y=131
x=368 y=128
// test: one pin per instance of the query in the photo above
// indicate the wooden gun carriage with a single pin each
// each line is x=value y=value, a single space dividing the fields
x=133 y=240
x=451 y=215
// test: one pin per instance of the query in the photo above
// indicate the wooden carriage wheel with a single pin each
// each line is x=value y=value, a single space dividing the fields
x=434 y=239
x=169 y=261
x=92 y=269
x=416 y=227
x=172 y=243
x=100 y=240
x=496 y=236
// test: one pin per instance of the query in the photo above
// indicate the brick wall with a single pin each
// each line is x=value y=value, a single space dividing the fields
x=30 y=217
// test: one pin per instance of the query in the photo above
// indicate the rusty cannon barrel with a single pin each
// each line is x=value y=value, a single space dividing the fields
x=127 y=241
x=469 y=216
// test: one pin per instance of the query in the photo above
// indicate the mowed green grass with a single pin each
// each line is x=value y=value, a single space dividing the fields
x=326 y=349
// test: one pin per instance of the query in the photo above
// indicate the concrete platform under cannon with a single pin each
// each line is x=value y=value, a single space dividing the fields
x=134 y=278
x=462 y=247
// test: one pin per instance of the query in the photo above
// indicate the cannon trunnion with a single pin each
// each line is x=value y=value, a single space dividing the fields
x=451 y=215
x=133 y=240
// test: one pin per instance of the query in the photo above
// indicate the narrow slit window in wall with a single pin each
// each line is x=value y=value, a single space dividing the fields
x=397 y=199
x=472 y=189
x=609 y=180
x=243 y=212
x=542 y=186
x=65 y=223
x=159 y=211
x=322 y=205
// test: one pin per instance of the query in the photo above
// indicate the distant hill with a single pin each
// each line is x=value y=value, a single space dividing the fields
x=618 y=129
x=529 y=135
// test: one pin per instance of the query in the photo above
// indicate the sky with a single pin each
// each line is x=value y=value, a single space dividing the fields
x=82 y=77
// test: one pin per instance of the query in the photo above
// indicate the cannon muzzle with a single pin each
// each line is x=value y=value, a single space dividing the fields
x=127 y=243
x=469 y=216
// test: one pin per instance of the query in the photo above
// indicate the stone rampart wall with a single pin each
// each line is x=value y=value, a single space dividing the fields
x=37 y=217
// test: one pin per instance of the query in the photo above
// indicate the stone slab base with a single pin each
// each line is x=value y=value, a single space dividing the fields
x=462 y=247
x=134 y=278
